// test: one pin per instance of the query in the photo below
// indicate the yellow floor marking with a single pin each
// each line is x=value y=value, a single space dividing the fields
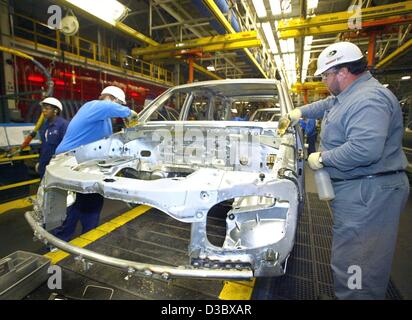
x=95 y=234
x=232 y=290
x=107 y=227
x=19 y=184
x=15 y=204
x=237 y=290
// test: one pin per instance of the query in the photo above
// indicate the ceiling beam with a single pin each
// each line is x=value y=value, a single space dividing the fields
x=398 y=13
x=223 y=21
x=220 y=41
x=394 y=55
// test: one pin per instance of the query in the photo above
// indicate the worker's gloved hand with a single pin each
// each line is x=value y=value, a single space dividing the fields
x=132 y=119
x=133 y=116
x=313 y=161
x=294 y=116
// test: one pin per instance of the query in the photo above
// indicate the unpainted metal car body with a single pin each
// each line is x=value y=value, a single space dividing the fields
x=266 y=114
x=186 y=168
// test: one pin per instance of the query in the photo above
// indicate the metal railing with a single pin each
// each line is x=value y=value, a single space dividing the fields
x=40 y=34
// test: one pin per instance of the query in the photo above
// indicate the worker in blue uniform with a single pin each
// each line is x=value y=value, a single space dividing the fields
x=91 y=123
x=309 y=128
x=361 y=149
x=51 y=132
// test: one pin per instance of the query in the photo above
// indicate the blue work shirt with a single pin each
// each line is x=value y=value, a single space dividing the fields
x=51 y=134
x=309 y=126
x=91 y=123
x=361 y=130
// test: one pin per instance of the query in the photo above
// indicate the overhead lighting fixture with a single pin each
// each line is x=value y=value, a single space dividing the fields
x=110 y=11
x=312 y=4
x=259 y=8
x=275 y=7
x=283 y=46
x=291 y=44
x=406 y=78
x=287 y=6
x=267 y=30
x=211 y=68
x=308 y=43
x=278 y=61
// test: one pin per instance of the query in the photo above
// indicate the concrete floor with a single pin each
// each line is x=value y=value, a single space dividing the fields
x=15 y=234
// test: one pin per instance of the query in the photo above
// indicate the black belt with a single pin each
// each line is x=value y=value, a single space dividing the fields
x=387 y=173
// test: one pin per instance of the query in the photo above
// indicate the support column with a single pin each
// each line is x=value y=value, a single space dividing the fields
x=371 y=49
x=305 y=97
x=8 y=105
x=190 y=60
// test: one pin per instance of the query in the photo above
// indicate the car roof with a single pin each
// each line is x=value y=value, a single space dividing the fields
x=235 y=87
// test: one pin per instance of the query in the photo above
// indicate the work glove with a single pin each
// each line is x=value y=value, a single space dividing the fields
x=132 y=119
x=294 y=116
x=314 y=162
x=133 y=116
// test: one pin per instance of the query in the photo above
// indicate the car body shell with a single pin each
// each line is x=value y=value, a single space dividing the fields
x=185 y=169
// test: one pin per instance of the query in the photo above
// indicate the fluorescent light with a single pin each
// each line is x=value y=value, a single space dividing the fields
x=308 y=42
x=267 y=30
x=275 y=7
x=286 y=6
x=291 y=44
x=278 y=61
x=312 y=4
x=109 y=11
x=283 y=46
x=292 y=61
x=304 y=75
x=211 y=68
x=406 y=78
x=259 y=8
x=306 y=58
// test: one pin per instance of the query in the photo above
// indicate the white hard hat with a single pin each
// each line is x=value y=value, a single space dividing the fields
x=337 y=53
x=52 y=101
x=115 y=92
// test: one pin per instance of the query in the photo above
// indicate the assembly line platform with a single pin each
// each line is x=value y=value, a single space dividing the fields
x=154 y=237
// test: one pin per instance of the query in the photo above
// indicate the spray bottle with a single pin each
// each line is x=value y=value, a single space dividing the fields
x=324 y=185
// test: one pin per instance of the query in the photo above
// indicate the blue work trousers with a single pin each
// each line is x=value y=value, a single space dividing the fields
x=85 y=209
x=311 y=143
x=366 y=217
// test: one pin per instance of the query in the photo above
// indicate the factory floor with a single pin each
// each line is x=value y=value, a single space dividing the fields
x=15 y=234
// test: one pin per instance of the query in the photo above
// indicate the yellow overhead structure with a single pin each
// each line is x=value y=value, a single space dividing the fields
x=128 y=31
x=205 y=71
x=206 y=44
x=343 y=21
x=221 y=18
x=210 y=48
x=135 y=34
x=317 y=86
x=394 y=55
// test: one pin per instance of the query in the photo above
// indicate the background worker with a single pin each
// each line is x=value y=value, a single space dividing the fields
x=51 y=133
x=361 y=149
x=309 y=128
x=91 y=123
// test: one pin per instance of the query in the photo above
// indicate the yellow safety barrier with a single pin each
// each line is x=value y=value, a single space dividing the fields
x=19 y=184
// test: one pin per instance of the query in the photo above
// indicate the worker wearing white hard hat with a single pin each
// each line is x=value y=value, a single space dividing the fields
x=92 y=122
x=51 y=132
x=361 y=149
x=116 y=93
